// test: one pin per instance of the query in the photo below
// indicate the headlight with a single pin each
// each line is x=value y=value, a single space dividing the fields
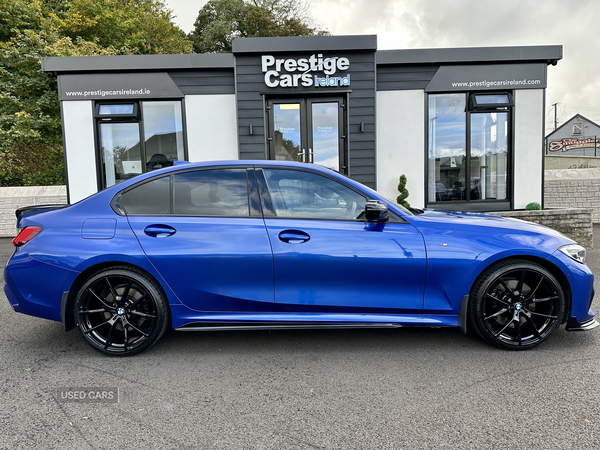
x=574 y=251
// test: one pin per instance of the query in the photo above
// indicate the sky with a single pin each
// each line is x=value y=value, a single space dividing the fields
x=405 y=24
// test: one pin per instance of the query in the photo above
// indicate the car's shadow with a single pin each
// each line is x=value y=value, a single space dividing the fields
x=314 y=340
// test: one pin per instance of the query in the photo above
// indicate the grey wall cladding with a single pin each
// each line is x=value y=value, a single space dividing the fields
x=251 y=110
x=204 y=82
x=252 y=91
x=402 y=78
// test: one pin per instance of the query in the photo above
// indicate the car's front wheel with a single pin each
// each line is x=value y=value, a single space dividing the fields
x=516 y=305
x=121 y=311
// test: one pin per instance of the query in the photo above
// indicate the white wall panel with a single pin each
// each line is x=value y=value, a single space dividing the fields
x=529 y=143
x=211 y=127
x=78 y=125
x=401 y=143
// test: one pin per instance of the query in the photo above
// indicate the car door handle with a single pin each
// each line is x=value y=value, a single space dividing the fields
x=293 y=236
x=159 y=230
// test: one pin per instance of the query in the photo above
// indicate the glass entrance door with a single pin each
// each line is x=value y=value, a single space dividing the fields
x=121 y=153
x=308 y=130
x=489 y=155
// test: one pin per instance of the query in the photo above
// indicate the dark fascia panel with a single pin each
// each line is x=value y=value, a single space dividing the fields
x=304 y=44
x=546 y=53
x=137 y=62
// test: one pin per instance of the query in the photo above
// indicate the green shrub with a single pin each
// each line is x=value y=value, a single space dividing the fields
x=32 y=164
x=401 y=199
x=533 y=206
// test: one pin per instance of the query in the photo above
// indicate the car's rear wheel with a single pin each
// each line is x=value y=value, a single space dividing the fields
x=121 y=311
x=516 y=305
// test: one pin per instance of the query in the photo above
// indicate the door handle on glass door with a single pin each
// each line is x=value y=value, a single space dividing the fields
x=303 y=153
x=293 y=236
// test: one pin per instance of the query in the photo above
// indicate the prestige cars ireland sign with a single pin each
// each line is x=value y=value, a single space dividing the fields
x=314 y=71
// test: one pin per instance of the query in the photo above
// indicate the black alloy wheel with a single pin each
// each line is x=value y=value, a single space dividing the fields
x=516 y=305
x=121 y=311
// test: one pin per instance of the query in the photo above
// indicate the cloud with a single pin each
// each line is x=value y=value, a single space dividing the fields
x=401 y=24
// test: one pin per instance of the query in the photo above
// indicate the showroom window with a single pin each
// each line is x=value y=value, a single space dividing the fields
x=468 y=148
x=138 y=137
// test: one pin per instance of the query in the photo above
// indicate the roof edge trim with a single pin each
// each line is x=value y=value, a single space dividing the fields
x=304 y=44
x=546 y=53
x=58 y=64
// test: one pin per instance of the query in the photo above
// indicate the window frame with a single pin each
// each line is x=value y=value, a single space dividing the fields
x=136 y=117
x=258 y=194
x=475 y=204
x=474 y=105
x=126 y=117
x=251 y=192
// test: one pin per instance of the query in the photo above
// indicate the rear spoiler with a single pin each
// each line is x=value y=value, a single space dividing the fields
x=38 y=208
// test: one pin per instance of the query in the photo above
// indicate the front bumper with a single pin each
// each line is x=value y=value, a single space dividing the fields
x=574 y=325
x=587 y=323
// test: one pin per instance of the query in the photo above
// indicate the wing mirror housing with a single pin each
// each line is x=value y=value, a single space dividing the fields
x=376 y=211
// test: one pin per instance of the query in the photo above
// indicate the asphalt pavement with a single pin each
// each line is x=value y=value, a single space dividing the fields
x=413 y=388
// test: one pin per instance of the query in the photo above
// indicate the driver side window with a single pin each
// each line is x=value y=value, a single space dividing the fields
x=306 y=195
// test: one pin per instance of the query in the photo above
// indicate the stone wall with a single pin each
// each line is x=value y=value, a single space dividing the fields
x=12 y=198
x=573 y=188
x=575 y=223
x=553 y=162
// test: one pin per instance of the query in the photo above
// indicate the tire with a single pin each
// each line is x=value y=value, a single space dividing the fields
x=516 y=305
x=121 y=311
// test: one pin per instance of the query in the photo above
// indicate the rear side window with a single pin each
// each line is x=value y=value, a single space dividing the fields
x=219 y=192
x=150 y=198
x=216 y=192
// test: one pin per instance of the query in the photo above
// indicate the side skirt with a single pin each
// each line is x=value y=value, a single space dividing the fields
x=199 y=321
x=215 y=326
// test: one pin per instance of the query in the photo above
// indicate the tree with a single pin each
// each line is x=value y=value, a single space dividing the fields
x=30 y=127
x=219 y=21
x=127 y=26
x=18 y=15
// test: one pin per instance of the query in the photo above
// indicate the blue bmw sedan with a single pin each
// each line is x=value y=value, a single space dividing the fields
x=269 y=245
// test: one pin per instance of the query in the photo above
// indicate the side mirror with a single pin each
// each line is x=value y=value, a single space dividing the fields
x=376 y=211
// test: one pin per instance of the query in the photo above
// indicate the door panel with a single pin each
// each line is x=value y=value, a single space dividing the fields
x=286 y=133
x=325 y=134
x=196 y=229
x=211 y=263
x=489 y=156
x=326 y=258
x=361 y=265
x=121 y=154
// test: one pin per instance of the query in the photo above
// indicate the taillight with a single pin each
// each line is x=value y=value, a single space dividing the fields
x=26 y=234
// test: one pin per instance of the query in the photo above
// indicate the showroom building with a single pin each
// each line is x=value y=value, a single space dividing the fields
x=465 y=125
